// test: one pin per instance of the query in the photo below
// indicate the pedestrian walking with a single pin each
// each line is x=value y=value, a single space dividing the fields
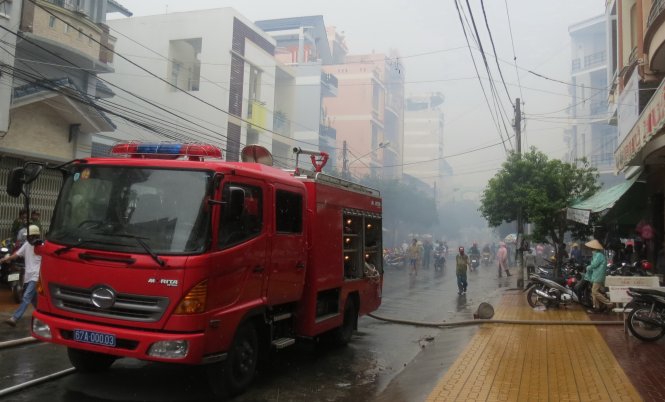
x=502 y=257
x=32 y=265
x=530 y=261
x=413 y=252
x=462 y=267
x=427 y=253
x=595 y=273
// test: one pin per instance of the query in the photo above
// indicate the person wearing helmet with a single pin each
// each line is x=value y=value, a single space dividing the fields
x=32 y=265
x=462 y=267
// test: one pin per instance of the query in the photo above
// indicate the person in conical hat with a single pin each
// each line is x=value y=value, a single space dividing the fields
x=595 y=273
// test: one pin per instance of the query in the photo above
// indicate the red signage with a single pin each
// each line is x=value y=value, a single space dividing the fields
x=650 y=122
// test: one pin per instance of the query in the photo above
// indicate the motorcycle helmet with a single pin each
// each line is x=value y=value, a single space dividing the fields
x=646 y=265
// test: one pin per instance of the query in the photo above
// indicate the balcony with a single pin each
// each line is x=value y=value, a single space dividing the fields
x=328 y=85
x=326 y=131
x=654 y=36
x=63 y=27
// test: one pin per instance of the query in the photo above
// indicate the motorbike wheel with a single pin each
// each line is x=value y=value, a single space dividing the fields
x=647 y=331
x=533 y=299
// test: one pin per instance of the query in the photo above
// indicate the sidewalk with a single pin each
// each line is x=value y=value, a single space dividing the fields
x=504 y=362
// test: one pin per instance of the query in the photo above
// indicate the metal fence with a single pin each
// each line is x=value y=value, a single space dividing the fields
x=43 y=195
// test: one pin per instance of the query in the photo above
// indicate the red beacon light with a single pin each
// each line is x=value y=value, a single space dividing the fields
x=166 y=150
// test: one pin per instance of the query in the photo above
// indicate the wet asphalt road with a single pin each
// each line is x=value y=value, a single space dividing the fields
x=384 y=362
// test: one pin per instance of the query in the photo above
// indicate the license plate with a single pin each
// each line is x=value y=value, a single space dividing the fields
x=96 y=338
x=13 y=277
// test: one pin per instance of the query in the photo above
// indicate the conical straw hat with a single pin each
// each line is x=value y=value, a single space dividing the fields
x=594 y=244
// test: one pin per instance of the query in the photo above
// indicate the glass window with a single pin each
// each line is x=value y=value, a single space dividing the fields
x=117 y=208
x=241 y=216
x=184 y=70
x=51 y=22
x=288 y=212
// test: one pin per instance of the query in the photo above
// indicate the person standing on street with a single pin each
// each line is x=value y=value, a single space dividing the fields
x=413 y=252
x=595 y=273
x=502 y=258
x=462 y=268
x=530 y=261
x=427 y=253
x=33 y=263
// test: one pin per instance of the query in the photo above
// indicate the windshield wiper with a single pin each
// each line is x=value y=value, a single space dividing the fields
x=64 y=249
x=142 y=243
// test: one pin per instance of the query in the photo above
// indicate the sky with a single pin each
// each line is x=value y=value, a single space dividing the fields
x=428 y=36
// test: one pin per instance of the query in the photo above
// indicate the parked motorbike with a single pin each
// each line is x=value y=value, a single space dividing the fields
x=394 y=258
x=12 y=273
x=647 y=319
x=554 y=292
x=637 y=268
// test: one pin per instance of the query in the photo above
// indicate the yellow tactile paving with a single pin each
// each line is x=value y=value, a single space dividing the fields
x=545 y=363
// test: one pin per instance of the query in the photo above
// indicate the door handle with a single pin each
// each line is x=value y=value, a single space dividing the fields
x=258 y=268
x=300 y=265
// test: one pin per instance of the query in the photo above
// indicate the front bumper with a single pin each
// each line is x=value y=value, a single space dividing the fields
x=129 y=342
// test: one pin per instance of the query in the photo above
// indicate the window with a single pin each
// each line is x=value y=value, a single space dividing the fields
x=241 y=217
x=288 y=212
x=51 y=22
x=254 y=83
x=184 y=70
x=66 y=28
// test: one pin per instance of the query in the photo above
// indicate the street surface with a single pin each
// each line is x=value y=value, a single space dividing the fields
x=384 y=362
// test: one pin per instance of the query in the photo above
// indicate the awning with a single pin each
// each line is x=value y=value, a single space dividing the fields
x=599 y=202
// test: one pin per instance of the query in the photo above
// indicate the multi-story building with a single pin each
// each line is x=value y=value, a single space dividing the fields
x=638 y=92
x=423 y=142
x=302 y=46
x=208 y=76
x=590 y=136
x=368 y=114
x=52 y=113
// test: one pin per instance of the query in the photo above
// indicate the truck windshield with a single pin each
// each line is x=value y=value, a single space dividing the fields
x=109 y=207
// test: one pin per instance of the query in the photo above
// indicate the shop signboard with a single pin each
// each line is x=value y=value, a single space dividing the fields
x=578 y=215
x=632 y=281
x=651 y=121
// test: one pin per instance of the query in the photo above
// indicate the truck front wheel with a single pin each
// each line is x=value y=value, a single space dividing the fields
x=233 y=375
x=89 y=362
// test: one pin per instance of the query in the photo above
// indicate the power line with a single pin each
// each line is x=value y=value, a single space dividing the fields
x=496 y=57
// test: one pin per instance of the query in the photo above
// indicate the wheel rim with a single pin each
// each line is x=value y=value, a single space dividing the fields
x=245 y=360
x=645 y=329
x=533 y=298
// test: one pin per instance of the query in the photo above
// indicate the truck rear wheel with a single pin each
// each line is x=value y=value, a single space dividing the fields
x=89 y=362
x=233 y=375
x=343 y=334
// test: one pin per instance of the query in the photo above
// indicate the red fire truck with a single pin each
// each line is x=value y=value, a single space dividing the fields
x=170 y=254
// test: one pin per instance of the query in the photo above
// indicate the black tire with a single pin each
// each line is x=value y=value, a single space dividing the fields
x=89 y=362
x=342 y=335
x=643 y=330
x=533 y=299
x=232 y=376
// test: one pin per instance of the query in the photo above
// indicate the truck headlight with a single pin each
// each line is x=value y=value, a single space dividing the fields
x=169 y=349
x=40 y=328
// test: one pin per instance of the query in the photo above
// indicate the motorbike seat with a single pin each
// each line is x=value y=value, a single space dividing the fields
x=648 y=291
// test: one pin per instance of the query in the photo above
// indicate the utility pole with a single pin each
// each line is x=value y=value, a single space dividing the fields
x=520 y=224
x=345 y=161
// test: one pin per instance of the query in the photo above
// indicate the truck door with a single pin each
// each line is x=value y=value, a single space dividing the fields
x=288 y=255
x=241 y=242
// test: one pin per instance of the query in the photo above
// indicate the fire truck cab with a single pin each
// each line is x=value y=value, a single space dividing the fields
x=170 y=254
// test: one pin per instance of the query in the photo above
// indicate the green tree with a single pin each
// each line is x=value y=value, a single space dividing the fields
x=543 y=188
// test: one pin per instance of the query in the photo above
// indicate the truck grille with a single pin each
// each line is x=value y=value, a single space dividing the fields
x=126 y=306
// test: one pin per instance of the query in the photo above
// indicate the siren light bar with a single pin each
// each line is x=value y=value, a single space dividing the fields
x=166 y=150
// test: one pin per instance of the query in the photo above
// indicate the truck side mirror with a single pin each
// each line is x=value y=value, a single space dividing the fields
x=31 y=171
x=15 y=182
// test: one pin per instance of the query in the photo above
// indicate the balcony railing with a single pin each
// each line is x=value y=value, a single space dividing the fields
x=257 y=113
x=329 y=79
x=577 y=65
x=602 y=159
x=657 y=7
x=595 y=59
x=326 y=131
x=281 y=124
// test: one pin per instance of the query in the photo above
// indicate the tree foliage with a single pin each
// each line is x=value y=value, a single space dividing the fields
x=542 y=189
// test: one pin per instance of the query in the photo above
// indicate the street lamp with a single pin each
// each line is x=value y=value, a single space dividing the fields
x=381 y=146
